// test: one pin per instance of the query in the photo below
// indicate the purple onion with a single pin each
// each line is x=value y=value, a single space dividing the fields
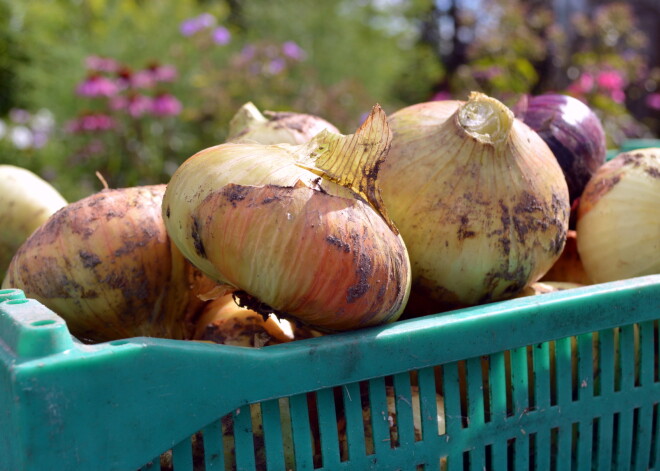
x=572 y=131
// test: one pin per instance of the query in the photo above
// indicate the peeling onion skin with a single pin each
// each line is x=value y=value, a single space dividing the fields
x=107 y=266
x=481 y=220
x=306 y=247
x=618 y=224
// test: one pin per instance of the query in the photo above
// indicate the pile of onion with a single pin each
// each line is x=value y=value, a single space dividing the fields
x=573 y=132
x=275 y=127
x=26 y=202
x=479 y=198
x=298 y=231
x=618 y=225
x=107 y=266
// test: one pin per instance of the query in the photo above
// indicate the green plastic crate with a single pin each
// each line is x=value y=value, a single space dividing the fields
x=562 y=381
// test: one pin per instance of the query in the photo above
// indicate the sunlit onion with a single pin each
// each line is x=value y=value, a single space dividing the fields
x=296 y=230
x=106 y=265
x=479 y=198
x=618 y=226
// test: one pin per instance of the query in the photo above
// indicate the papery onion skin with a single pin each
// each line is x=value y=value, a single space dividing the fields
x=107 y=266
x=275 y=127
x=250 y=216
x=573 y=132
x=618 y=225
x=26 y=202
x=224 y=321
x=481 y=220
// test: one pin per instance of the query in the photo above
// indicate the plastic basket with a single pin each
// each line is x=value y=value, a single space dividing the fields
x=566 y=380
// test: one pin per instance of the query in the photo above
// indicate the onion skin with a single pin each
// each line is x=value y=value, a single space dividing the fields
x=618 y=225
x=107 y=266
x=224 y=321
x=482 y=216
x=275 y=127
x=26 y=202
x=261 y=220
x=573 y=132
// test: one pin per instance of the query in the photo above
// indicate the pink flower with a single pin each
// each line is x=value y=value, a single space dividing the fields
x=618 y=96
x=143 y=79
x=135 y=105
x=138 y=105
x=163 y=73
x=610 y=80
x=293 y=51
x=101 y=64
x=165 y=104
x=653 y=101
x=441 y=96
x=97 y=85
x=221 y=35
x=584 y=84
x=91 y=123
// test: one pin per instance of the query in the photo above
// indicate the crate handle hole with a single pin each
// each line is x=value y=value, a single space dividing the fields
x=17 y=301
x=43 y=322
x=118 y=342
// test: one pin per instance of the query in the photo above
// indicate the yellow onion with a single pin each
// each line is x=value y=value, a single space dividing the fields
x=107 y=266
x=26 y=202
x=568 y=267
x=618 y=225
x=479 y=198
x=298 y=230
x=275 y=127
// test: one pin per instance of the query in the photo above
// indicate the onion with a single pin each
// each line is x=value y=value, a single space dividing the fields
x=106 y=265
x=572 y=131
x=543 y=287
x=26 y=202
x=298 y=231
x=618 y=225
x=480 y=201
x=275 y=127
x=568 y=267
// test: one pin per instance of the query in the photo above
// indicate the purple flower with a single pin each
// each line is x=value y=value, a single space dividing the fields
x=165 y=104
x=19 y=116
x=276 y=66
x=196 y=24
x=441 y=96
x=248 y=52
x=97 y=85
x=653 y=101
x=221 y=35
x=293 y=51
x=101 y=64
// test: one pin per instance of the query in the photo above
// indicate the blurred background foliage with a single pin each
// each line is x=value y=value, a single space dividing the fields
x=131 y=88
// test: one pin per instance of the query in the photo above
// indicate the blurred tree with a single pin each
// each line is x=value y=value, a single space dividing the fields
x=10 y=57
